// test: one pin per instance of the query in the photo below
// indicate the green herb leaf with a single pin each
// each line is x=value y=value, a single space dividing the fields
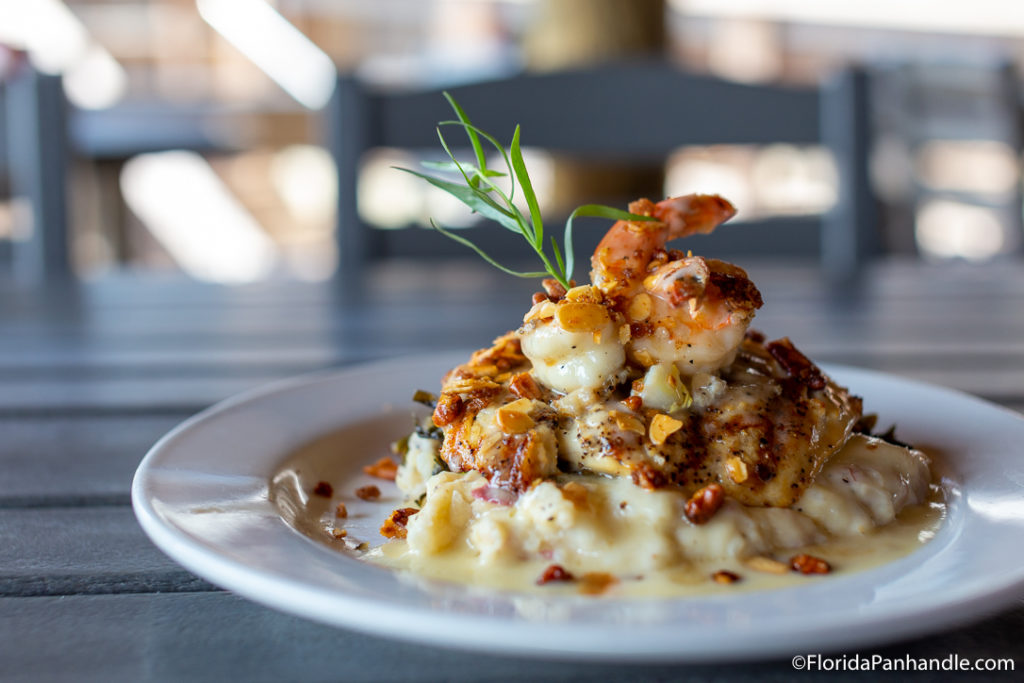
x=480 y=193
x=474 y=141
x=593 y=211
x=519 y=166
x=482 y=254
x=478 y=202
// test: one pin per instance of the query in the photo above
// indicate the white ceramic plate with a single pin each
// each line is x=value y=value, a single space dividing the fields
x=202 y=495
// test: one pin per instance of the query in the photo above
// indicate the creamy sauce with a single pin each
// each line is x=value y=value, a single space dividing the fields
x=326 y=459
x=915 y=526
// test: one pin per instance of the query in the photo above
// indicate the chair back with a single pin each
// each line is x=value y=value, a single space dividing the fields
x=34 y=159
x=631 y=112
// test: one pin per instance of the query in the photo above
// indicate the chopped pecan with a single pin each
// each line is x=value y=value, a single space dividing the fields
x=554 y=572
x=734 y=285
x=385 y=468
x=324 y=489
x=524 y=385
x=809 y=564
x=538 y=297
x=796 y=364
x=553 y=287
x=724 y=576
x=595 y=583
x=643 y=329
x=395 y=525
x=634 y=403
x=646 y=476
x=449 y=409
x=341 y=512
x=703 y=504
x=368 y=492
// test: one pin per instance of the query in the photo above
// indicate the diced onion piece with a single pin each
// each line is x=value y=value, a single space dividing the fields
x=664 y=389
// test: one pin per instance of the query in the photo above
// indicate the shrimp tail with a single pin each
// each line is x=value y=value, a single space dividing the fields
x=692 y=214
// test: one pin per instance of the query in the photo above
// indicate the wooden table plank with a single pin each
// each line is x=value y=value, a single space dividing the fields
x=83 y=550
x=91 y=377
x=220 y=637
x=74 y=460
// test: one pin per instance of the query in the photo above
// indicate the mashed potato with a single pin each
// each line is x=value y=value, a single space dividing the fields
x=591 y=523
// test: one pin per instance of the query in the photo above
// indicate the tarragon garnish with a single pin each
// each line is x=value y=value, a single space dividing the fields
x=482 y=195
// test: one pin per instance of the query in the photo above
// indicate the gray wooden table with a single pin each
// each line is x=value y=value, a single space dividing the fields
x=92 y=375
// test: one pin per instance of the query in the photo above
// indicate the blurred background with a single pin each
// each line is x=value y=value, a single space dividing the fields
x=200 y=136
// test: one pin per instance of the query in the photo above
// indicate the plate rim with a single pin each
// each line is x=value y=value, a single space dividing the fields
x=258 y=585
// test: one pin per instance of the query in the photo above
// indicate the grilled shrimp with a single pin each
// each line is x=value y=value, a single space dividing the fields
x=623 y=256
x=686 y=310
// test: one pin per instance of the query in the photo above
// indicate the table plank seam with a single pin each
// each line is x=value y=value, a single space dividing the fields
x=66 y=501
x=175 y=581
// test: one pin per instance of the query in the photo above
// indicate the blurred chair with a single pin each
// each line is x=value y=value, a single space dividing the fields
x=625 y=112
x=950 y=105
x=34 y=158
x=40 y=134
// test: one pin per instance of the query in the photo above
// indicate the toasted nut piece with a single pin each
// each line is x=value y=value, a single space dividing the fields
x=385 y=468
x=634 y=403
x=703 y=504
x=809 y=564
x=624 y=334
x=767 y=564
x=595 y=583
x=640 y=306
x=554 y=572
x=341 y=512
x=449 y=408
x=514 y=418
x=628 y=423
x=468 y=385
x=485 y=369
x=581 y=317
x=723 y=576
x=583 y=294
x=520 y=405
x=576 y=492
x=394 y=526
x=737 y=469
x=539 y=297
x=339 y=533
x=648 y=477
x=368 y=492
x=662 y=427
x=544 y=310
x=524 y=385
x=553 y=287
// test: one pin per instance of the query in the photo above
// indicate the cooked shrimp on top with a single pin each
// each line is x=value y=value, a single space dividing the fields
x=594 y=375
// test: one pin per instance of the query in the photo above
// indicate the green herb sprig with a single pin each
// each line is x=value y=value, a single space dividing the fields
x=480 y=193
